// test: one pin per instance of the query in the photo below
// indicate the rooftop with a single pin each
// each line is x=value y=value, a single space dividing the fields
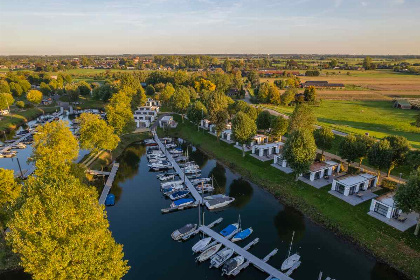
x=387 y=199
x=316 y=166
x=350 y=180
x=167 y=118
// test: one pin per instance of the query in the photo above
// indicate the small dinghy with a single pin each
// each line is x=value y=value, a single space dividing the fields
x=182 y=202
x=178 y=195
x=110 y=200
x=221 y=257
x=167 y=177
x=229 y=229
x=209 y=252
x=291 y=260
x=232 y=264
x=242 y=234
x=179 y=233
x=201 y=244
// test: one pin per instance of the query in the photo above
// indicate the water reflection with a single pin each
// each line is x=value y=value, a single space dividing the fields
x=384 y=272
x=219 y=176
x=196 y=155
x=287 y=221
x=242 y=191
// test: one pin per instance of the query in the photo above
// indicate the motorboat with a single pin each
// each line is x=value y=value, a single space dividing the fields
x=176 y=151
x=229 y=229
x=167 y=177
x=201 y=244
x=209 y=252
x=179 y=233
x=221 y=257
x=204 y=188
x=170 y=190
x=171 y=183
x=232 y=264
x=170 y=146
x=182 y=202
x=242 y=234
x=19 y=146
x=164 y=165
x=179 y=194
x=291 y=260
x=150 y=142
x=198 y=181
x=191 y=170
x=217 y=201
x=8 y=154
x=166 y=140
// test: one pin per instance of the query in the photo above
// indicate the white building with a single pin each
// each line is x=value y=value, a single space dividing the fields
x=152 y=103
x=227 y=135
x=205 y=124
x=259 y=139
x=351 y=184
x=167 y=121
x=280 y=160
x=384 y=205
x=320 y=169
x=267 y=149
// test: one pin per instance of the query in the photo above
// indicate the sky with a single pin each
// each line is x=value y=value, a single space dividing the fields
x=57 y=27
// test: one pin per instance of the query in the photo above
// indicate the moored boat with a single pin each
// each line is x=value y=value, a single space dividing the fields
x=110 y=200
x=217 y=201
x=182 y=202
x=229 y=229
x=201 y=244
x=179 y=195
x=291 y=260
x=232 y=264
x=209 y=252
x=242 y=234
x=179 y=233
x=221 y=257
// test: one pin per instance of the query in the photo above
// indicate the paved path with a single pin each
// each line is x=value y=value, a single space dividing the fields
x=260 y=264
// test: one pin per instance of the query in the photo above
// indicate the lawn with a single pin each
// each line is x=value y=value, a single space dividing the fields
x=401 y=250
x=21 y=116
x=378 y=118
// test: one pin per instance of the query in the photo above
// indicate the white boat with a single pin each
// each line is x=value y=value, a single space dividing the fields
x=198 y=181
x=204 y=188
x=201 y=244
x=167 y=177
x=209 y=252
x=171 y=183
x=19 y=146
x=150 y=142
x=170 y=146
x=217 y=201
x=175 y=151
x=232 y=264
x=221 y=257
x=291 y=259
x=179 y=233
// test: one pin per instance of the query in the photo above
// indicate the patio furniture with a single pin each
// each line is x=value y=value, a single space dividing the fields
x=359 y=195
x=326 y=177
x=401 y=218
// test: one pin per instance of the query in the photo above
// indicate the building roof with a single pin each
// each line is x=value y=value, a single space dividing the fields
x=387 y=199
x=316 y=166
x=167 y=118
x=269 y=145
x=350 y=180
x=260 y=136
x=331 y=162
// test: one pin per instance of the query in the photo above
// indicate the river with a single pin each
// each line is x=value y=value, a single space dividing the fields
x=137 y=223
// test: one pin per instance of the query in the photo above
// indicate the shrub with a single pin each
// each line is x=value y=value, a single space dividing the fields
x=20 y=104
x=29 y=105
x=389 y=184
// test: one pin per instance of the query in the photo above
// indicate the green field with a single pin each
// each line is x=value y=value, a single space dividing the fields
x=401 y=250
x=378 y=118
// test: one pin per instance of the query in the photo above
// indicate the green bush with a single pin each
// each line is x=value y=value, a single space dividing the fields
x=29 y=105
x=20 y=104
x=389 y=184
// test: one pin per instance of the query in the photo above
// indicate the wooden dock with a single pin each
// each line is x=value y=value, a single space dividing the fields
x=108 y=183
x=258 y=263
x=178 y=170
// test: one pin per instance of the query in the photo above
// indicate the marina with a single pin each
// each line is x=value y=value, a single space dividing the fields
x=108 y=183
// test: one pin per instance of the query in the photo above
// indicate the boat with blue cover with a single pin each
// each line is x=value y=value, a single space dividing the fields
x=182 y=202
x=110 y=200
x=178 y=195
x=229 y=229
x=242 y=234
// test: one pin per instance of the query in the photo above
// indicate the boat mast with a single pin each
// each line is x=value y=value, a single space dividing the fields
x=291 y=242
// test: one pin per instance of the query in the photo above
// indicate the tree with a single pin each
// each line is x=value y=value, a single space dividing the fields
x=407 y=197
x=413 y=159
x=254 y=78
x=300 y=150
x=364 y=143
x=243 y=129
x=278 y=127
x=34 y=96
x=242 y=106
x=61 y=232
x=10 y=190
x=368 y=63
x=96 y=134
x=203 y=84
x=310 y=94
x=20 y=104
x=84 y=88
x=150 y=90
x=4 y=86
x=348 y=148
x=219 y=119
x=45 y=88
x=400 y=147
x=418 y=120
x=196 y=112
x=380 y=155
x=119 y=114
x=180 y=100
x=73 y=91
x=6 y=100
x=268 y=93
x=288 y=96
x=25 y=85
x=166 y=94
x=264 y=120
x=324 y=138
x=15 y=89
x=302 y=117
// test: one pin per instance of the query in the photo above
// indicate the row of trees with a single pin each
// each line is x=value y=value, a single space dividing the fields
x=7 y=100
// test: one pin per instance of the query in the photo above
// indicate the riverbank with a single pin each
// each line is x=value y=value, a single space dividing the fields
x=20 y=117
x=399 y=250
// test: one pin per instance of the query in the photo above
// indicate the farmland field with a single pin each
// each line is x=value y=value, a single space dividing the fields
x=378 y=118
x=366 y=85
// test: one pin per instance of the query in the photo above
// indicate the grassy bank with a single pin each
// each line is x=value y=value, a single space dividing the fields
x=400 y=250
x=19 y=117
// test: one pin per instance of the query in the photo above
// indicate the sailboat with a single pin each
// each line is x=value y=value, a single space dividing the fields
x=201 y=244
x=242 y=234
x=291 y=259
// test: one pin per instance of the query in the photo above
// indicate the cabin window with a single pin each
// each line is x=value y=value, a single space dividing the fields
x=381 y=209
x=340 y=188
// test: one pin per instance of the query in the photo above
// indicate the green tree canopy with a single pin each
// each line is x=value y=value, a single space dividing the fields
x=300 y=150
x=243 y=128
x=6 y=100
x=264 y=120
x=278 y=127
x=310 y=94
x=303 y=117
x=96 y=134
x=407 y=197
x=4 y=86
x=380 y=155
x=73 y=91
x=119 y=114
x=180 y=99
x=150 y=90
x=324 y=138
x=84 y=88
x=400 y=147
x=16 y=89
x=288 y=96
x=196 y=112
x=166 y=94
x=219 y=119
x=10 y=190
